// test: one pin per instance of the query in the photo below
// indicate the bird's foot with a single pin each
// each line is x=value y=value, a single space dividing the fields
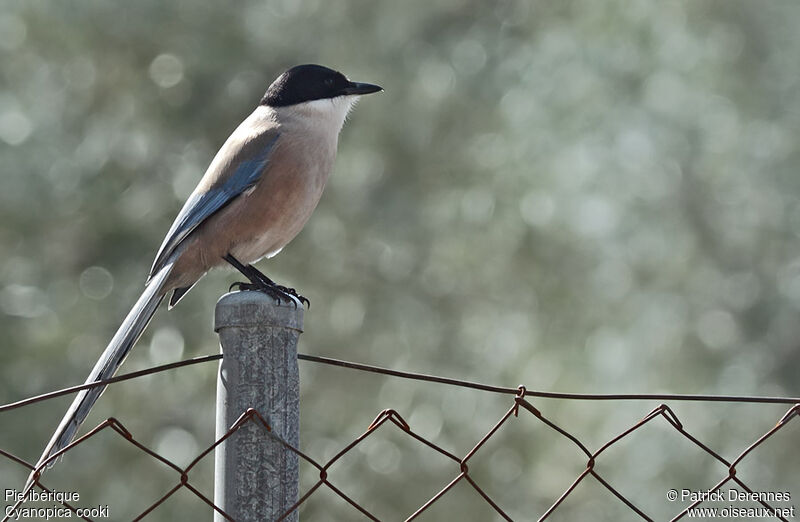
x=259 y=281
x=280 y=293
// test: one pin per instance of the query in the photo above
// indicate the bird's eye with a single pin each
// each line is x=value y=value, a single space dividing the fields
x=328 y=82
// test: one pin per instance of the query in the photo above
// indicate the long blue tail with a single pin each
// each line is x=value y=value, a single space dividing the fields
x=108 y=364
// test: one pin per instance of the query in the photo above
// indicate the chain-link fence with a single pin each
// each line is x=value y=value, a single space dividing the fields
x=520 y=403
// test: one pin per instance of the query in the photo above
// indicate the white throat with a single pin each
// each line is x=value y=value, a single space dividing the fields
x=328 y=114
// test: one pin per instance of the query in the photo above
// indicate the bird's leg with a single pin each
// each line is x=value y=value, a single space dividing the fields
x=259 y=281
x=255 y=277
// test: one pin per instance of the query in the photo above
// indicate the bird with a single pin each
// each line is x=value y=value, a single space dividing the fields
x=256 y=195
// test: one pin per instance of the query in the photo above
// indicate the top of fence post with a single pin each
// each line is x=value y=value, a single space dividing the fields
x=243 y=309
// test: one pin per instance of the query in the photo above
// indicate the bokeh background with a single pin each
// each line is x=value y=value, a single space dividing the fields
x=579 y=196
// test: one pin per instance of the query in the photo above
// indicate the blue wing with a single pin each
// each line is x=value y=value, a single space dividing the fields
x=200 y=206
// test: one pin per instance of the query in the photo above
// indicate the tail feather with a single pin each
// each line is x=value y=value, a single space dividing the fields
x=108 y=364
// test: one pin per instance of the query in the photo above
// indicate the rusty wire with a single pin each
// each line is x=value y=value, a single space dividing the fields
x=393 y=419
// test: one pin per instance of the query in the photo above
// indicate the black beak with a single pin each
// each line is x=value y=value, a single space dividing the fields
x=359 y=89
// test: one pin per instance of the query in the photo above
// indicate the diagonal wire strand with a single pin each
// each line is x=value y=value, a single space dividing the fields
x=118 y=378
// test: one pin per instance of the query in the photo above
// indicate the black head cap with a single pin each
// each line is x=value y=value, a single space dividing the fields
x=304 y=83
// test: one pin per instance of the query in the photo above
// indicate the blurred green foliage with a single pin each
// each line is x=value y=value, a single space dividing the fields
x=580 y=196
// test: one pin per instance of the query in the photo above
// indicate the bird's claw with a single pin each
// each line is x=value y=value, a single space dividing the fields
x=292 y=292
x=242 y=286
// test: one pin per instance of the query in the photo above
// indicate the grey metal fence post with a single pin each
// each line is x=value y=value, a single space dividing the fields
x=256 y=477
